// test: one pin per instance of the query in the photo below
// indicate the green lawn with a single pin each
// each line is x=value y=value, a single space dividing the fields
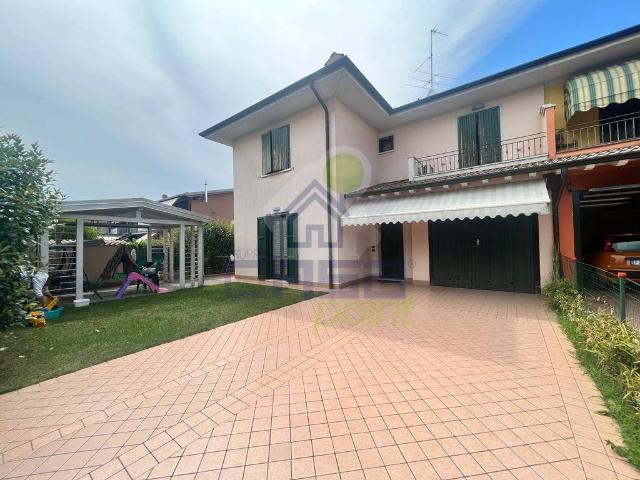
x=86 y=336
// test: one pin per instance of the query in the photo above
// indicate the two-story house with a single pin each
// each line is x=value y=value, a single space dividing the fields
x=471 y=187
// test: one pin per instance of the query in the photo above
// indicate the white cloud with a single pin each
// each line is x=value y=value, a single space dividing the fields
x=116 y=92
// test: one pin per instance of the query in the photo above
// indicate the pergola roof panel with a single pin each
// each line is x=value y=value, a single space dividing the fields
x=138 y=210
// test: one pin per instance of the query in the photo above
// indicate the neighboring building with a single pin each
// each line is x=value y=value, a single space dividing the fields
x=471 y=187
x=217 y=204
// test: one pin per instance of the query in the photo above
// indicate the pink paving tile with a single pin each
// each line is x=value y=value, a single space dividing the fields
x=469 y=379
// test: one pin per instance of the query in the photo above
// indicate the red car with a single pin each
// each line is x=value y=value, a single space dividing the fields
x=618 y=253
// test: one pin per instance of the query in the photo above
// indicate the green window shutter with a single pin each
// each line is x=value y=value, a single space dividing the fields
x=280 y=148
x=262 y=249
x=489 y=135
x=267 y=164
x=468 y=140
x=292 y=248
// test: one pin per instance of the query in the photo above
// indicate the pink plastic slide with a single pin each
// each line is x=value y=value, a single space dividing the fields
x=133 y=277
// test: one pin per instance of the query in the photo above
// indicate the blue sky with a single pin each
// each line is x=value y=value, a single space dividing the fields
x=116 y=92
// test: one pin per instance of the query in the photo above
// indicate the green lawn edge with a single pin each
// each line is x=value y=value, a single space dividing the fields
x=84 y=337
x=616 y=407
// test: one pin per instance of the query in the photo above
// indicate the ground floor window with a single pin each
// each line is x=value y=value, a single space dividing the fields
x=278 y=247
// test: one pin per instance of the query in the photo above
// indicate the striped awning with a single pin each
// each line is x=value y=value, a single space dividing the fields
x=614 y=84
x=521 y=198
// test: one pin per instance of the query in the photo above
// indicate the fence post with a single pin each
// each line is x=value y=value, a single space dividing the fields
x=578 y=274
x=622 y=300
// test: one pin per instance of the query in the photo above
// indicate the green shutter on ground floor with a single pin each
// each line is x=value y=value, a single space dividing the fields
x=262 y=248
x=292 y=248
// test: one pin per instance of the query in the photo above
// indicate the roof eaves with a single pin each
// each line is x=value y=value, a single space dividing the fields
x=522 y=67
x=343 y=62
x=347 y=64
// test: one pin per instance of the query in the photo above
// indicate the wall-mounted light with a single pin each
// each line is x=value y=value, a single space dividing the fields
x=276 y=209
x=477 y=106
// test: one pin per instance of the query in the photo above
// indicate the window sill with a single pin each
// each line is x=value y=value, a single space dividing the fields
x=387 y=151
x=265 y=175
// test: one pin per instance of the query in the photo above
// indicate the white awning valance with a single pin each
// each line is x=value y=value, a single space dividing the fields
x=522 y=198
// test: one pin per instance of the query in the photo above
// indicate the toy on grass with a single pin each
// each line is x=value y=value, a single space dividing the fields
x=136 y=277
x=52 y=304
x=36 y=318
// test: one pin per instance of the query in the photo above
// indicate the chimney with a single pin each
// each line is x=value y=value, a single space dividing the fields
x=334 y=57
x=164 y=196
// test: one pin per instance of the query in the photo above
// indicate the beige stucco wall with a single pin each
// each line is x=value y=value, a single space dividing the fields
x=256 y=196
x=408 y=251
x=519 y=115
x=545 y=247
x=420 y=252
x=353 y=139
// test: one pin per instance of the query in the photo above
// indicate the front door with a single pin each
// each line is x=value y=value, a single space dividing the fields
x=391 y=251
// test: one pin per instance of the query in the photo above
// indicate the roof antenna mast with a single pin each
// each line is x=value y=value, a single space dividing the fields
x=432 y=32
x=434 y=79
x=206 y=193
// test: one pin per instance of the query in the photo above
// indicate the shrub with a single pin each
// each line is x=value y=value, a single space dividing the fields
x=614 y=344
x=28 y=205
x=218 y=240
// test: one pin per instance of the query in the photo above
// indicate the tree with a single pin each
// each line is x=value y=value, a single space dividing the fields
x=29 y=203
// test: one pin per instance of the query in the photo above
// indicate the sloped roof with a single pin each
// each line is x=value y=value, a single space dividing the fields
x=342 y=79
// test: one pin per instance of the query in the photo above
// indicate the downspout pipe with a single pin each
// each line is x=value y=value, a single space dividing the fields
x=328 y=167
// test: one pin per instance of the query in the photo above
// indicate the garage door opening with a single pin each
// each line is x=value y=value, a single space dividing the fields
x=490 y=254
x=607 y=224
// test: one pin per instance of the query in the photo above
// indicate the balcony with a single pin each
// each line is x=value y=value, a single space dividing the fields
x=618 y=129
x=482 y=156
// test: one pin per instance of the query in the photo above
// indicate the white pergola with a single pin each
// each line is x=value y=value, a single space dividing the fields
x=136 y=213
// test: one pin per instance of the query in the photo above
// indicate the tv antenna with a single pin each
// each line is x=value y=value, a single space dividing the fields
x=430 y=83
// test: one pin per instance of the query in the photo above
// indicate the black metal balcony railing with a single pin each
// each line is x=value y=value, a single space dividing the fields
x=517 y=148
x=590 y=134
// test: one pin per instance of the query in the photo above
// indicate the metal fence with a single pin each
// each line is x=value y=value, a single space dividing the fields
x=604 y=289
x=517 y=148
x=589 y=134
x=216 y=265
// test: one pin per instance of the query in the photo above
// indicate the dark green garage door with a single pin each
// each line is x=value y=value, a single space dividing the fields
x=489 y=254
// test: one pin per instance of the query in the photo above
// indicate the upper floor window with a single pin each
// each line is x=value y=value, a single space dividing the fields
x=385 y=144
x=276 y=152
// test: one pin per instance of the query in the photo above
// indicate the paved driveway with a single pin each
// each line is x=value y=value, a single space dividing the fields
x=376 y=381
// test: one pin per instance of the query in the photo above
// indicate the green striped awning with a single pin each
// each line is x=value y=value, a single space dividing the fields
x=614 y=84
